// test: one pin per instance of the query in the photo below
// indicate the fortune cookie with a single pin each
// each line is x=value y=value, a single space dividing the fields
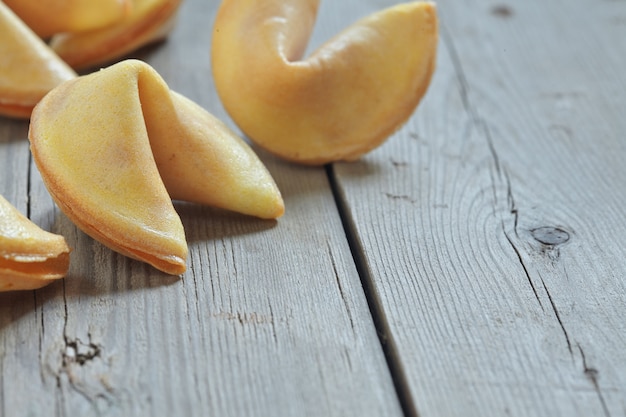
x=116 y=146
x=49 y=17
x=345 y=99
x=28 y=67
x=30 y=257
x=148 y=21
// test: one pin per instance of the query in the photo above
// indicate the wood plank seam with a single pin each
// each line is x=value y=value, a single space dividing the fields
x=28 y=184
x=383 y=330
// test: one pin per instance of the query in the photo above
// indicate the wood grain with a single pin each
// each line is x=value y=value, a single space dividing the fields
x=490 y=224
x=486 y=237
x=270 y=319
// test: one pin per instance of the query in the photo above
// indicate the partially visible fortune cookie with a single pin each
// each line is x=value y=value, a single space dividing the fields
x=340 y=102
x=149 y=21
x=28 y=67
x=30 y=257
x=115 y=146
x=49 y=17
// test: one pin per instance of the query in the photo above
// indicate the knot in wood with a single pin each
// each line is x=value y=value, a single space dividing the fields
x=550 y=236
x=502 y=10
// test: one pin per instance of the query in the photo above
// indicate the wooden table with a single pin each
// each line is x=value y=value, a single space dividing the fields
x=474 y=265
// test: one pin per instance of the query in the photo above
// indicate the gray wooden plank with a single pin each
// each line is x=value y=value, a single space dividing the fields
x=270 y=319
x=490 y=226
x=14 y=162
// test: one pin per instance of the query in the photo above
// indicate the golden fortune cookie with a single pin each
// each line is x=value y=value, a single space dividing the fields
x=149 y=21
x=29 y=69
x=49 y=17
x=345 y=99
x=116 y=146
x=30 y=257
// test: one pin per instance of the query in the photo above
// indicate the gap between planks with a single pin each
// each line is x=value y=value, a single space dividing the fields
x=383 y=330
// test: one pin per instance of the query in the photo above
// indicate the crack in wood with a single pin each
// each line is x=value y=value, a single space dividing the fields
x=195 y=287
x=341 y=289
x=244 y=318
x=399 y=164
x=482 y=123
x=558 y=317
x=593 y=375
x=40 y=335
x=523 y=264
x=406 y=198
x=511 y=202
x=549 y=237
x=272 y=322
x=234 y=260
x=60 y=398
x=478 y=122
x=458 y=69
x=65 y=313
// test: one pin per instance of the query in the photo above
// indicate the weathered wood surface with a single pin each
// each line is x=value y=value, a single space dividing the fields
x=269 y=320
x=486 y=237
x=491 y=226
